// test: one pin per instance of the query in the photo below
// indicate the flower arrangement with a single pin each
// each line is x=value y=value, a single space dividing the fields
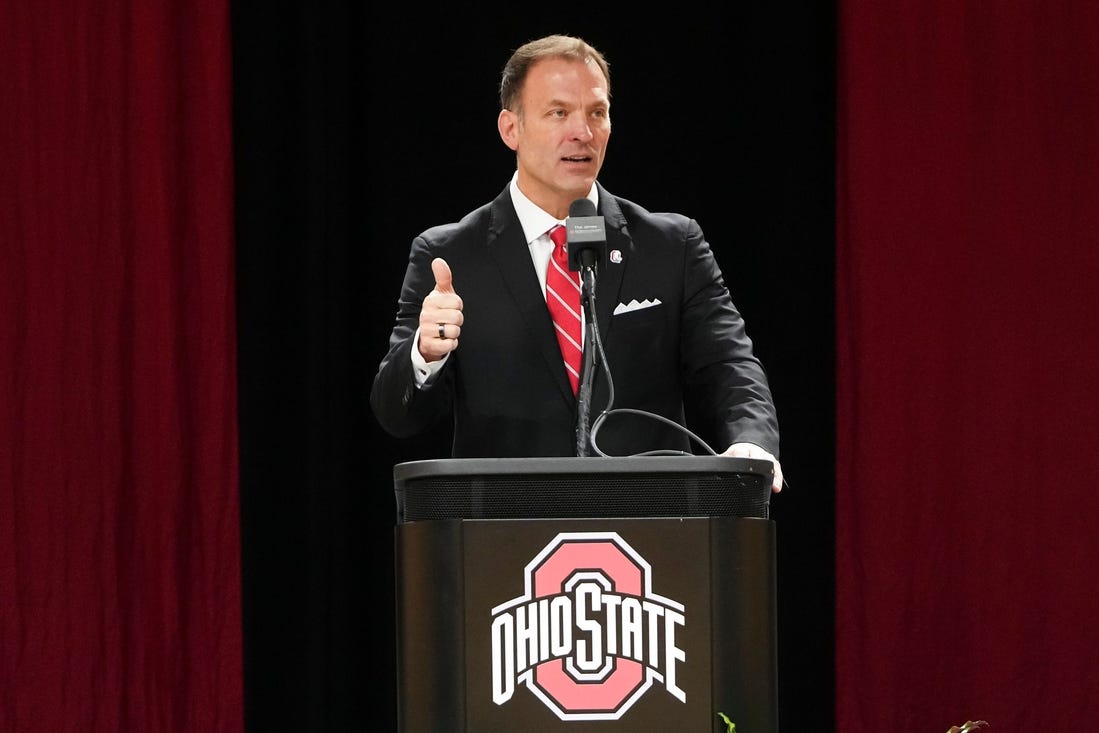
x=966 y=727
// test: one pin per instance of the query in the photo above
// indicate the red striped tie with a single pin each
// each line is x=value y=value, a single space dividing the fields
x=563 y=300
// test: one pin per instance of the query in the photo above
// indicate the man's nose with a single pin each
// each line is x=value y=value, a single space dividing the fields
x=580 y=128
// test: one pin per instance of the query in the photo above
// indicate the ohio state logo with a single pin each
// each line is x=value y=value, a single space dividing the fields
x=588 y=637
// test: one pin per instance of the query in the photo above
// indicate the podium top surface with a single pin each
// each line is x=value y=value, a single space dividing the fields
x=552 y=487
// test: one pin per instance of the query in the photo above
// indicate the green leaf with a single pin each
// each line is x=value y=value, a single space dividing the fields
x=731 y=724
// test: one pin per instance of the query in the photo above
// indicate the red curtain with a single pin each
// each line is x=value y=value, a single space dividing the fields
x=968 y=365
x=119 y=535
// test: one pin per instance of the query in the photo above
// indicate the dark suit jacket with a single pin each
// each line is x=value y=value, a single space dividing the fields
x=687 y=358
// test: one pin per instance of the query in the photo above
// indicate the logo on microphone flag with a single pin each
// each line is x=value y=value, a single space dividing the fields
x=588 y=636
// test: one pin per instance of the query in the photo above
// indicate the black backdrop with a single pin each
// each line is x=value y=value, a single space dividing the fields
x=356 y=128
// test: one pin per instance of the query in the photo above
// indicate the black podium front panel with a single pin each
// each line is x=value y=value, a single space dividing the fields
x=585 y=625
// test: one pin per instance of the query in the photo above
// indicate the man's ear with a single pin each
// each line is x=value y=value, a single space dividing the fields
x=508 y=125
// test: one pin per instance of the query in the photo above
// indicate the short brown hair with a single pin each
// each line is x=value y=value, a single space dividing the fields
x=556 y=46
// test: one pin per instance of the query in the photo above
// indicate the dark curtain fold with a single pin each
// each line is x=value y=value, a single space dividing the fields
x=119 y=526
x=968 y=249
x=316 y=499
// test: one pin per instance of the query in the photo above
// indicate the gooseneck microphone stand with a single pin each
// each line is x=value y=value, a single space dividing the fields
x=587 y=365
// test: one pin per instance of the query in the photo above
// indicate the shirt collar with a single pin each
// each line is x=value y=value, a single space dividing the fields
x=535 y=221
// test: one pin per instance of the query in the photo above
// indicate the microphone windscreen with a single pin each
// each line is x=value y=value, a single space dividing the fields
x=582 y=207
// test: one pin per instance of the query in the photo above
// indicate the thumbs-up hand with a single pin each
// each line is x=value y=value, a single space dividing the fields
x=441 y=315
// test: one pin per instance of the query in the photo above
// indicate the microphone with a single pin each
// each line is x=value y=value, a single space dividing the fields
x=586 y=234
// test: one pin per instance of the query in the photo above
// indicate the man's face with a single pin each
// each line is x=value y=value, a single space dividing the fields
x=561 y=134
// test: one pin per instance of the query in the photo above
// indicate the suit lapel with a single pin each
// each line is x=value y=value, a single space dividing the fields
x=508 y=247
x=609 y=274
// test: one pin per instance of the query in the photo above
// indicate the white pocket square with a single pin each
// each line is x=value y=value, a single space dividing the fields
x=634 y=305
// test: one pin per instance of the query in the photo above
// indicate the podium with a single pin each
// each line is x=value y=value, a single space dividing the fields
x=585 y=595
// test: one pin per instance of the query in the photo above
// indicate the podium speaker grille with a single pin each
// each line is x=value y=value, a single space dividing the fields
x=554 y=488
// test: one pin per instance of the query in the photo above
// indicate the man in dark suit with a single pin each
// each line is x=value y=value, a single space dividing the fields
x=474 y=340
